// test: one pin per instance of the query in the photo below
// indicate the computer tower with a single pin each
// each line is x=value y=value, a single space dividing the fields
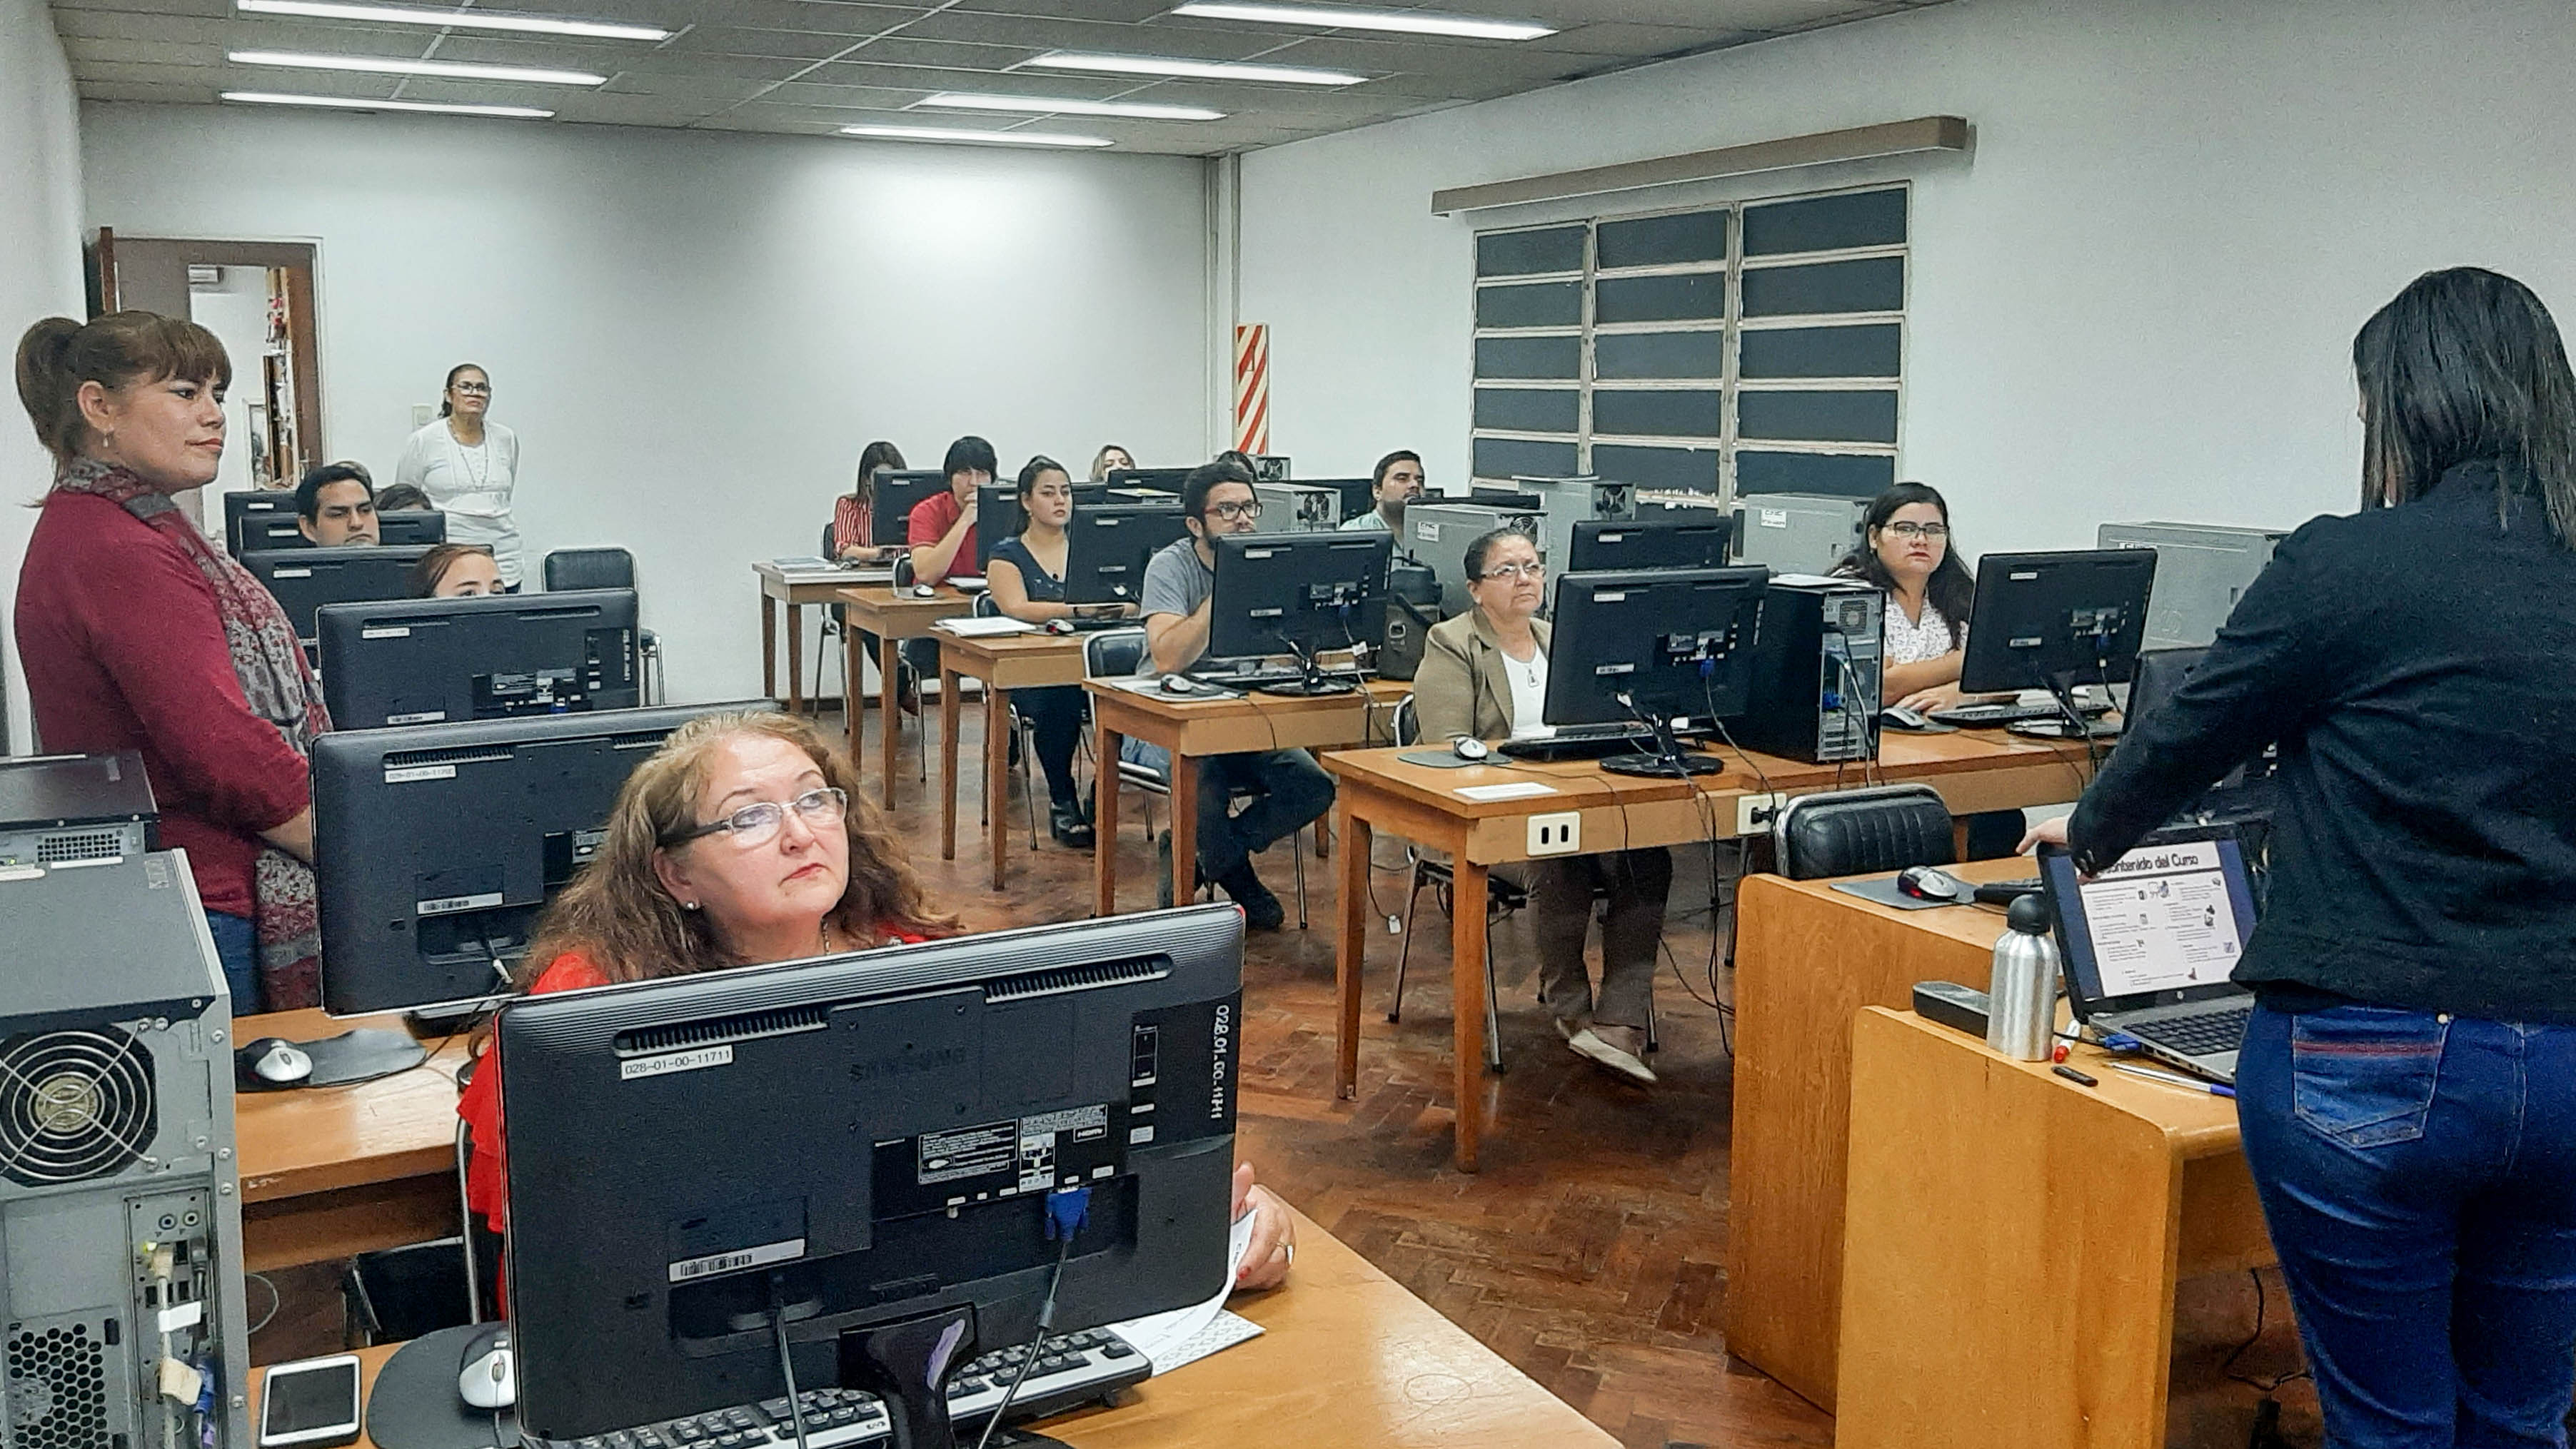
x=120 y=1196
x=1797 y=533
x=1565 y=502
x=1816 y=672
x=60 y=808
x=1438 y=535
x=2201 y=571
x=1297 y=508
x=1270 y=467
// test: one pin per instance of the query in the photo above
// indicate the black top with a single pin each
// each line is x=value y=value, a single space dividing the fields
x=2417 y=666
x=1042 y=587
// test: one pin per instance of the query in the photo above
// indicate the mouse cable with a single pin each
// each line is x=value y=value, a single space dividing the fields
x=786 y=1368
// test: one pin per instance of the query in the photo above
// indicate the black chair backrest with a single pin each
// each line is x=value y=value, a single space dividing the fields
x=1113 y=653
x=986 y=606
x=903 y=574
x=1406 y=724
x=1863 y=832
x=589 y=568
x=826 y=548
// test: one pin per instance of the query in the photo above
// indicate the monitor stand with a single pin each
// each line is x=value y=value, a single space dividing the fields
x=906 y=1365
x=1666 y=767
x=1313 y=681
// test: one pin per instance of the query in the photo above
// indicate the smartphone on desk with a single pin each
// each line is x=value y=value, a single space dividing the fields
x=310 y=1404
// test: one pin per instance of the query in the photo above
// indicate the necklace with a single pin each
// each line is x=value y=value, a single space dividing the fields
x=467 y=457
x=827 y=936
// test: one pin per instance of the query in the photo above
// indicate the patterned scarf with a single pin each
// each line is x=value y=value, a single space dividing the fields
x=280 y=688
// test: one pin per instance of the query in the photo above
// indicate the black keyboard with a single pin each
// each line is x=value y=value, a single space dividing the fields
x=1578 y=744
x=2201 y=1034
x=833 y=1418
x=1990 y=716
x=1089 y=625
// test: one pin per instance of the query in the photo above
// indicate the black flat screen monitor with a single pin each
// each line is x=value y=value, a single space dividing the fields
x=890 y=512
x=2159 y=674
x=305 y=579
x=403 y=527
x=411 y=525
x=436 y=846
x=1105 y=550
x=260 y=503
x=1615 y=544
x=1300 y=594
x=434 y=661
x=1161 y=480
x=2054 y=621
x=1511 y=498
x=998 y=515
x=865 y=1144
x=1653 y=648
x=261 y=532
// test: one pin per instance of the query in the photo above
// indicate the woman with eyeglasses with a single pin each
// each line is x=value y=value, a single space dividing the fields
x=1905 y=550
x=1484 y=676
x=743 y=840
x=469 y=465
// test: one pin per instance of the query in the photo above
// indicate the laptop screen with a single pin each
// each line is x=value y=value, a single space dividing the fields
x=2170 y=917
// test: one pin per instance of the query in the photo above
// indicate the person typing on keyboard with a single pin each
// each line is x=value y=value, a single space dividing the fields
x=1484 y=675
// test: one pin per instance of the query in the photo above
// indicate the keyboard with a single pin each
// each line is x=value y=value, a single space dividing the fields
x=2201 y=1034
x=1087 y=626
x=1992 y=716
x=1589 y=743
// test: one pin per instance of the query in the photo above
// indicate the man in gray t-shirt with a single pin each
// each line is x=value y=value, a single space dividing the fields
x=1283 y=789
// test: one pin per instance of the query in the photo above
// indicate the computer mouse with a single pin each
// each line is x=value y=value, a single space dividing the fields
x=925 y=591
x=1929 y=883
x=1468 y=747
x=1059 y=626
x=1179 y=684
x=487 y=1376
x=271 y=1062
x=1900 y=717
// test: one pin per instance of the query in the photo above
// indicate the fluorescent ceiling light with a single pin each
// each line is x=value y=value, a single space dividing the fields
x=355 y=103
x=381 y=65
x=1290 y=75
x=1410 y=22
x=1043 y=106
x=460 y=19
x=971 y=138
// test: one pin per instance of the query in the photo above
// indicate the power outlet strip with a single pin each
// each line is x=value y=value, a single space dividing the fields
x=1557 y=834
x=1754 y=813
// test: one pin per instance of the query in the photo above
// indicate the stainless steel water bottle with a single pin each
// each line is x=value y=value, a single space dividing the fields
x=2021 y=1010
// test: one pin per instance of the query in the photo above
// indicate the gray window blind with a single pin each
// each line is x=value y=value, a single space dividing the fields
x=1752 y=348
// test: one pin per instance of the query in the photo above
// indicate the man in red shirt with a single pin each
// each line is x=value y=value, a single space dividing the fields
x=941 y=527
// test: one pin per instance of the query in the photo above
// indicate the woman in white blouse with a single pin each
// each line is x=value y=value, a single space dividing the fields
x=468 y=466
x=1905 y=549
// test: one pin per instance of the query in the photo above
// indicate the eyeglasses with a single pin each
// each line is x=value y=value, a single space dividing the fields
x=478 y=389
x=1236 y=512
x=1533 y=571
x=756 y=824
x=1919 y=530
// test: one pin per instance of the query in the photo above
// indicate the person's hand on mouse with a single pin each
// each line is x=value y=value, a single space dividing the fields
x=1939 y=696
x=1274 y=1237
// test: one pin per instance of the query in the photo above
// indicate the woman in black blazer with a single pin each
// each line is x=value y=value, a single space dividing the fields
x=2407 y=1086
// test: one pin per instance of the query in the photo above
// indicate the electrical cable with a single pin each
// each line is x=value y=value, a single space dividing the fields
x=276 y=1300
x=2228 y=1365
x=786 y=1366
x=1081 y=1197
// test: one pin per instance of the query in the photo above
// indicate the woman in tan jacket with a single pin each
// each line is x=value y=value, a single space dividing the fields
x=1484 y=674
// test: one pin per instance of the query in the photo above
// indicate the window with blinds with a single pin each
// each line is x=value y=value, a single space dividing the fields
x=1754 y=348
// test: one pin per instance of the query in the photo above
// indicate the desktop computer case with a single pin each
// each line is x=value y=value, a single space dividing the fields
x=2201 y=571
x=1297 y=508
x=60 y=808
x=1438 y=535
x=1564 y=502
x=1816 y=676
x=1797 y=533
x=120 y=1199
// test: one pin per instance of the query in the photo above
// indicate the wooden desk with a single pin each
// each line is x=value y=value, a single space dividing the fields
x=1346 y=1356
x=331 y=1172
x=1973 y=770
x=1004 y=663
x=893 y=615
x=2013 y=1240
x=1193 y=729
x=796 y=588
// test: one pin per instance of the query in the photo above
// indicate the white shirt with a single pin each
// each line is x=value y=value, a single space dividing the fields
x=1529 y=692
x=471 y=486
x=1911 y=641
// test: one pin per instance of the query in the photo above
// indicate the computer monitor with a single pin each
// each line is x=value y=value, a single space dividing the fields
x=436 y=846
x=2159 y=674
x=1298 y=594
x=260 y=532
x=305 y=579
x=433 y=661
x=863 y=1148
x=998 y=515
x=411 y=525
x=1359 y=495
x=1161 y=480
x=1106 y=548
x=1516 y=499
x=259 y=503
x=1623 y=544
x=1652 y=648
x=890 y=514
x=2054 y=621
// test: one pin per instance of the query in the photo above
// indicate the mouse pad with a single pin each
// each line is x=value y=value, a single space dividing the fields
x=361 y=1055
x=1439 y=759
x=415 y=1405
x=1883 y=891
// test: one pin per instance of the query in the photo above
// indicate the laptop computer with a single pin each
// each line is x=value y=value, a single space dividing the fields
x=2150 y=943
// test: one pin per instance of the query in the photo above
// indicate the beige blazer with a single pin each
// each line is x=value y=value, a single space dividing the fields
x=1460 y=688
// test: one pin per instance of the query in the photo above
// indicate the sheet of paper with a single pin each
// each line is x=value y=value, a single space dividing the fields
x=1516 y=790
x=992 y=628
x=799 y=562
x=1161 y=1336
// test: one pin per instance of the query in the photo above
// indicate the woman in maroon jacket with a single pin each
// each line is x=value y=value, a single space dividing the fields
x=136 y=633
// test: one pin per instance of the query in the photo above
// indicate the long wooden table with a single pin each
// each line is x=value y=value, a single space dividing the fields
x=331 y=1172
x=1973 y=770
x=1194 y=728
x=893 y=615
x=1004 y=663
x=798 y=590
x=1346 y=1356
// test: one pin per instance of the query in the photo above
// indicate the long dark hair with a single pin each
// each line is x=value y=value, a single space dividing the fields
x=876 y=455
x=2466 y=366
x=1952 y=589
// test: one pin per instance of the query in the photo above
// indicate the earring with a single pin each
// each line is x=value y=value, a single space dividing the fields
x=688 y=905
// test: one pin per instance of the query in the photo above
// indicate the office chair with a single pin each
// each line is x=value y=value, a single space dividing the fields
x=395 y=1295
x=606 y=568
x=1863 y=832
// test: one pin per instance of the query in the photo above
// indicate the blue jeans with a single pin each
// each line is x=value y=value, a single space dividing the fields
x=237 y=947
x=2418 y=1174
x=1287 y=786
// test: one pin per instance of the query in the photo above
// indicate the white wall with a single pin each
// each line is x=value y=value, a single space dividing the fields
x=40 y=276
x=2135 y=300
x=694 y=334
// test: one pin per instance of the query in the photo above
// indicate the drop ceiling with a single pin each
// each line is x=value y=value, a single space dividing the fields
x=808 y=67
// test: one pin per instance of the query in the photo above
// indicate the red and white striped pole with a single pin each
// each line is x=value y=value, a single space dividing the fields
x=1252 y=388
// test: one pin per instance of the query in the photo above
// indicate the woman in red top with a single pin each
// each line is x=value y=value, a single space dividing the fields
x=138 y=634
x=847 y=539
